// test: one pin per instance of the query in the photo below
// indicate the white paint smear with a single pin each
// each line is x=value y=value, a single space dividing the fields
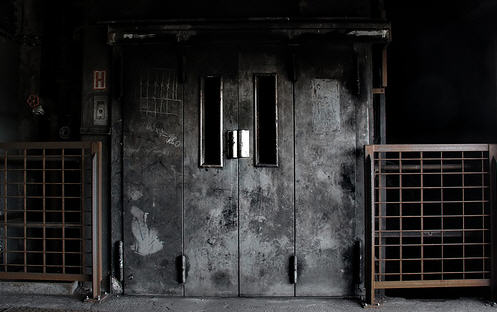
x=260 y=219
x=134 y=193
x=166 y=137
x=146 y=238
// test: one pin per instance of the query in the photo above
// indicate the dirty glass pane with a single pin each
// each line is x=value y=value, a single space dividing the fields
x=211 y=121
x=266 y=120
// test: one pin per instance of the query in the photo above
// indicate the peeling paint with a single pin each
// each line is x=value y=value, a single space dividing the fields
x=146 y=238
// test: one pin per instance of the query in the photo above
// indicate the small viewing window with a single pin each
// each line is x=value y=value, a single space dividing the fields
x=266 y=120
x=211 y=121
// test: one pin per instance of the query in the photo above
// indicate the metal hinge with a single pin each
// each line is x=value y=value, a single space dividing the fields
x=294 y=269
x=120 y=249
x=181 y=263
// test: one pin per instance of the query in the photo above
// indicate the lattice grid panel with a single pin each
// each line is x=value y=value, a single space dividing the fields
x=45 y=211
x=431 y=216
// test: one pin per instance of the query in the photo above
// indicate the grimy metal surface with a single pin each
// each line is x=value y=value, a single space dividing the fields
x=325 y=168
x=211 y=194
x=266 y=193
x=430 y=215
x=152 y=171
x=240 y=225
x=51 y=212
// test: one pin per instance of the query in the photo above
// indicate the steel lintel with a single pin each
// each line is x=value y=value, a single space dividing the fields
x=120 y=32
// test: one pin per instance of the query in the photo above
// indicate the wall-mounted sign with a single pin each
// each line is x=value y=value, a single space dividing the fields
x=33 y=100
x=99 y=80
x=100 y=115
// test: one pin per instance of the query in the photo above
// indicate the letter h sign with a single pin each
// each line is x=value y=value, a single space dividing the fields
x=99 y=80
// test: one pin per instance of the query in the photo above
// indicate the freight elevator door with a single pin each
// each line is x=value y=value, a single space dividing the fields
x=152 y=171
x=238 y=212
x=232 y=169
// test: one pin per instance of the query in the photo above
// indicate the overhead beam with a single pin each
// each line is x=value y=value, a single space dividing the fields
x=183 y=30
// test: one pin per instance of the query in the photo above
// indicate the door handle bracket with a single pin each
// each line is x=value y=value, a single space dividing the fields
x=243 y=143
x=232 y=144
x=182 y=268
x=238 y=144
x=293 y=269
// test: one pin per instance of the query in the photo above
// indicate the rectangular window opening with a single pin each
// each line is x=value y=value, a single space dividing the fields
x=266 y=120
x=211 y=121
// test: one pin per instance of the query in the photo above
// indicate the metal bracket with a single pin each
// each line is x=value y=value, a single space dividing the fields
x=294 y=269
x=99 y=299
x=367 y=305
x=182 y=267
x=120 y=250
x=232 y=144
x=243 y=143
x=238 y=144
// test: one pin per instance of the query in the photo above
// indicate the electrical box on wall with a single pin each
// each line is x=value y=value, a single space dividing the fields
x=100 y=111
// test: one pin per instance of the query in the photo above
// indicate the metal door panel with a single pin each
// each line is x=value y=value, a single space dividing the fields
x=211 y=194
x=266 y=193
x=325 y=158
x=152 y=171
x=173 y=206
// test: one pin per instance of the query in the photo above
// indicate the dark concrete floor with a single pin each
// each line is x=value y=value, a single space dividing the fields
x=151 y=304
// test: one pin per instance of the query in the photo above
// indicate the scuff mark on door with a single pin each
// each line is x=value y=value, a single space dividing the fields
x=146 y=238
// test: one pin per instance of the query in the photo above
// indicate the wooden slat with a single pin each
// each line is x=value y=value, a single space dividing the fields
x=430 y=148
x=43 y=276
x=432 y=284
x=46 y=145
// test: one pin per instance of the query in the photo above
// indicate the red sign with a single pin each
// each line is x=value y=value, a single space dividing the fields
x=33 y=101
x=99 y=80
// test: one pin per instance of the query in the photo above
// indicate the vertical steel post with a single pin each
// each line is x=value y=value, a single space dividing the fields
x=97 y=219
x=492 y=158
x=369 y=224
